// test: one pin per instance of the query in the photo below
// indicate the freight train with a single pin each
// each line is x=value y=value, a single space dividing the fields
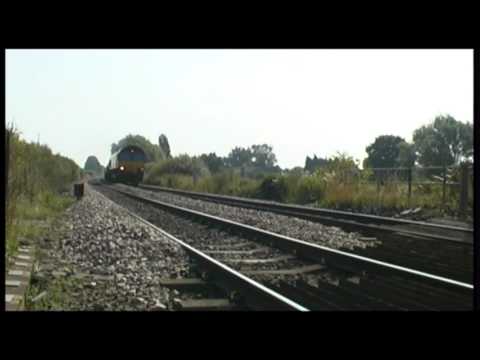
x=126 y=166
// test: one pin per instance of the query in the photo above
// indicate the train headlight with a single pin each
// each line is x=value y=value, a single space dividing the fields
x=122 y=168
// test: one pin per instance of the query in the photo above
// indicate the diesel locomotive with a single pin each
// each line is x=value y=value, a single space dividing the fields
x=126 y=166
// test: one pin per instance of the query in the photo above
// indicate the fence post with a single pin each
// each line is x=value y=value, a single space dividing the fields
x=463 y=190
x=379 y=183
x=444 y=185
x=409 y=176
x=78 y=190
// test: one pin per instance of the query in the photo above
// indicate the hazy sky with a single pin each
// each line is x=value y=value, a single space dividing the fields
x=299 y=101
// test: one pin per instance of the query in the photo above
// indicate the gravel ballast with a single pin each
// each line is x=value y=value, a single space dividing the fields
x=110 y=260
x=205 y=237
x=201 y=236
x=320 y=288
x=316 y=233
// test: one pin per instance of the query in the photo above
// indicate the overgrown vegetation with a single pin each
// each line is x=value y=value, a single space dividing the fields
x=93 y=166
x=58 y=294
x=152 y=151
x=339 y=184
x=337 y=181
x=37 y=186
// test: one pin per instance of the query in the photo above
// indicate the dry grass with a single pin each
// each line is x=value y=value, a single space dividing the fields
x=338 y=188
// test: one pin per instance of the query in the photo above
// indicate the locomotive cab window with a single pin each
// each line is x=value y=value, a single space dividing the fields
x=131 y=155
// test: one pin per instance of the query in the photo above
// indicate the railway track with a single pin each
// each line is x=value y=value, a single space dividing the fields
x=245 y=293
x=368 y=224
x=440 y=249
x=311 y=276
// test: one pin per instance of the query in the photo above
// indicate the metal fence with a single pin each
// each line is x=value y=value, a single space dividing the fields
x=454 y=184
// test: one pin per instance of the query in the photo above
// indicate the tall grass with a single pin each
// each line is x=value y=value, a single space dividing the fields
x=36 y=178
x=338 y=186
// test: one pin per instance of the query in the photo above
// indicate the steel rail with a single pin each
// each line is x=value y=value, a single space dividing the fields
x=335 y=258
x=366 y=222
x=256 y=295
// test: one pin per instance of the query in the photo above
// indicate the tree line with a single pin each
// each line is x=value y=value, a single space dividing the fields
x=255 y=159
x=444 y=142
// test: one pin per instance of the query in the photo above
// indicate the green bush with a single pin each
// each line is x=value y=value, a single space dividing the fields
x=248 y=187
x=228 y=183
x=272 y=188
x=221 y=183
x=179 y=165
x=340 y=184
x=310 y=189
x=290 y=181
x=35 y=178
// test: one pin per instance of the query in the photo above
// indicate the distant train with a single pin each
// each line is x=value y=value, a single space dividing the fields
x=126 y=166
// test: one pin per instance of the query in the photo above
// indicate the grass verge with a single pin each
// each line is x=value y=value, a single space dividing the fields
x=32 y=219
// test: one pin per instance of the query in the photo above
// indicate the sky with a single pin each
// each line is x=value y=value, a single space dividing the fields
x=301 y=102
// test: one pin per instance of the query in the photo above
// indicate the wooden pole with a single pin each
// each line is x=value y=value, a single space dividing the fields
x=463 y=190
x=444 y=186
x=378 y=191
x=409 y=186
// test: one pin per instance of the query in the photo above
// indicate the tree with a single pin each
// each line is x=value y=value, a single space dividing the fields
x=311 y=164
x=341 y=168
x=92 y=164
x=164 y=145
x=466 y=137
x=384 y=151
x=296 y=171
x=406 y=155
x=213 y=162
x=153 y=152
x=239 y=157
x=260 y=157
x=263 y=156
x=182 y=164
x=444 y=142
